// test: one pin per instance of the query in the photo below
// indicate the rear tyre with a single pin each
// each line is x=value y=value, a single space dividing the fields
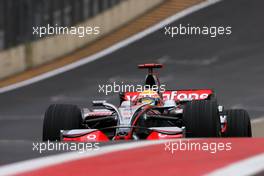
x=238 y=123
x=60 y=117
x=201 y=119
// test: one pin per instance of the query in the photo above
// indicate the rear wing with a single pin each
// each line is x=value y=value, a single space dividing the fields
x=177 y=95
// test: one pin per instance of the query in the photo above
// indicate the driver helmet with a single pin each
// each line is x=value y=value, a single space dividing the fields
x=149 y=97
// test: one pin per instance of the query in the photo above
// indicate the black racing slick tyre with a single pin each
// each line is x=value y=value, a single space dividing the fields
x=60 y=117
x=238 y=123
x=201 y=118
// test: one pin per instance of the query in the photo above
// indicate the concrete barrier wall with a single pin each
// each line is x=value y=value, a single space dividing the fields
x=12 y=61
x=45 y=50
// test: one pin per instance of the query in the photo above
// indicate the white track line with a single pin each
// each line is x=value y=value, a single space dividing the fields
x=34 y=164
x=246 y=167
x=111 y=49
x=257 y=120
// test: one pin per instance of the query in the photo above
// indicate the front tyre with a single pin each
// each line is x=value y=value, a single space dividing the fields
x=60 y=117
x=238 y=123
x=201 y=118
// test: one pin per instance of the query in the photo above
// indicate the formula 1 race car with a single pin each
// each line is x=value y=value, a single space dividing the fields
x=146 y=115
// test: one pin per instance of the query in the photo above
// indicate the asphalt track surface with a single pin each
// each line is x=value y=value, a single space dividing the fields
x=232 y=65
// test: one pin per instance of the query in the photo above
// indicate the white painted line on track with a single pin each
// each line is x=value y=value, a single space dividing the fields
x=257 y=120
x=257 y=125
x=111 y=49
x=246 y=167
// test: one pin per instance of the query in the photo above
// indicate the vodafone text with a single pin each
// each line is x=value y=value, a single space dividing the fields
x=175 y=95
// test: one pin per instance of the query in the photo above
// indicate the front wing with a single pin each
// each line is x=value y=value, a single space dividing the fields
x=95 y=135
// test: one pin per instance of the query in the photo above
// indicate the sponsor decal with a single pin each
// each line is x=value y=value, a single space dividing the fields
x=179 y=95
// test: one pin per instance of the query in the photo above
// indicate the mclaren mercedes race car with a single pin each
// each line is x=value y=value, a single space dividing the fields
x=147 y=115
